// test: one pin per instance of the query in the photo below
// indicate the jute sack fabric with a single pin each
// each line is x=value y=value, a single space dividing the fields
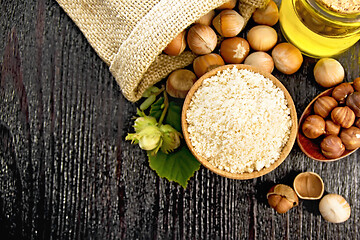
x=130 y=35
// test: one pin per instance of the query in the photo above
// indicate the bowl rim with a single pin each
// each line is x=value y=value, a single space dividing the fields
x=286 y=149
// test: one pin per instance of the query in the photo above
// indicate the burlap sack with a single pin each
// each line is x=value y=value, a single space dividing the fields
x=129 y=35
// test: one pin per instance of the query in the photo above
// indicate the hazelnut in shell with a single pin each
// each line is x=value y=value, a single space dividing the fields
x=262 y=38
x=343 y=116
x=179 y=83
x=287 y=58
x=324 y=105
x=201 y=39
x=228 y=23
x=177 y=45
x=331 y=128
x=282 y=198
x=334 y=208
x=309 y=185
x=342 y=91
x=350 y=137
x=332 y=147
x=206 y=19
x=353 y=101
x=228 y=5
x=234 y=50
x=205 y=63
x=328 y=72
x=261 y=60
x=268 y=15
x=313 y=126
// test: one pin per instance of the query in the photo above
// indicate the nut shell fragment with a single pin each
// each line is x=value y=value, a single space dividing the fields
x=309 y=185
x=282 y=198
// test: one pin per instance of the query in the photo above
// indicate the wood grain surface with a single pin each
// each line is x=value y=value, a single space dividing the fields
x=67 y=173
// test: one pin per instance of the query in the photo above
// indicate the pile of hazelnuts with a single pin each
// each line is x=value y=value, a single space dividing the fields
x=214 y=38
x=336 y=120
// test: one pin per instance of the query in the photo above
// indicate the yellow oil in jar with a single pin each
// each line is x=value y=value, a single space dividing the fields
x=316 y=34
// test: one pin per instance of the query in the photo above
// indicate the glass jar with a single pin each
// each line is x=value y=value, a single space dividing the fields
x=319 y=28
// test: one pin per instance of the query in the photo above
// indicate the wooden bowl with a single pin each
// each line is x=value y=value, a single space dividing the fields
x=311 y=147
x=285 y=151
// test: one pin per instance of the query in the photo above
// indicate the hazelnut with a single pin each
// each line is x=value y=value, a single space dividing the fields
x=234 y=50
x=313 y=126
x=341 y=91
x=261 y=60
x=356 y=84
x=331 y=128
x=282 y=198
x=287 y=58
x=179 y=83
x=343 y=116
x=334 y=208
x=206 y=19
x=205 y=63
x=324 y=105
x=357 y=122
x=201 y=39
x=177 y=45
x=353 y=101
x=332 y=146
x=262 y=38
x=268 y=15
x=328 y=72
x=228 y=5
x=350 y=137
x=228 y=23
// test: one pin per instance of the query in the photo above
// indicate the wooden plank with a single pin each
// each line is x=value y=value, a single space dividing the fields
x=67 y=173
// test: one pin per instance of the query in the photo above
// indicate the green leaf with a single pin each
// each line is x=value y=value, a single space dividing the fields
x=173 y=116
x=156 y=109
x=179 y=166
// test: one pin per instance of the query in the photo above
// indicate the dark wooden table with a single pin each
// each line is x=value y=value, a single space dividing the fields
x=67 y=173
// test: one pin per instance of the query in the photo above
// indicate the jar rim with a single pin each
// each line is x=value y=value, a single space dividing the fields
x=350 y=17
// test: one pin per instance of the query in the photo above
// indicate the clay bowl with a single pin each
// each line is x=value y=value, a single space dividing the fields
x=287 y=148
x=311 y=147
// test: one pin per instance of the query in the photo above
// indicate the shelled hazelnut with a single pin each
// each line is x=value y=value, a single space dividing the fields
x=342 y=91
x=350 y=137
x=353 y=102
x=324 y=105
x=332 y=146
x=343 y=116
x=313 y=126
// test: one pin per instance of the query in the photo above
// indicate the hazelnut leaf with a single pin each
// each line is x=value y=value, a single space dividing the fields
x=178 y=166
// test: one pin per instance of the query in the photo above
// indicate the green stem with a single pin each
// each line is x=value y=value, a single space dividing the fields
x=166 y=106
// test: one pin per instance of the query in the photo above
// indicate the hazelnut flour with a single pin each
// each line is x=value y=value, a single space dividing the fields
x=239 y=121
